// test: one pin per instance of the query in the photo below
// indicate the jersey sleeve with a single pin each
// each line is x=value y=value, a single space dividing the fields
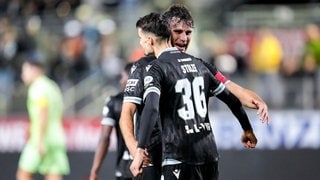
x=236 y=108
x=133 y=91
x=150 y=111
x=108 y=116
x=39 y=98
x=220 y=77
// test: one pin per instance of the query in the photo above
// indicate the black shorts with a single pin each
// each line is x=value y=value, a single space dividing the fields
x=153 y=171
x=123 y=169
x=208 y=171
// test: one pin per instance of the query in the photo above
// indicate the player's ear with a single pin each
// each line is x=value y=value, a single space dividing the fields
x=150 y=40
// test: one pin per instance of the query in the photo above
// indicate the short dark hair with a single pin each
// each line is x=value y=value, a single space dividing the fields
x=34 y=58
x=178 y=12
x=152 y=23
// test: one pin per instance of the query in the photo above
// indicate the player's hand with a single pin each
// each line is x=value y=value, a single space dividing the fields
x=248 y=139
x=136 y=165
x=93 y=176
x=262 y=111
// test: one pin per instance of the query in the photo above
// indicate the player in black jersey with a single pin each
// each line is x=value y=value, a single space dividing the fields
x=132 y=105
x=177 y=87
x=111 y=116
x=181 y=25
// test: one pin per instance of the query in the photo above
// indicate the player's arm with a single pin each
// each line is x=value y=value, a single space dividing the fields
x=148 y=121
x=248 y=138
x=101 y=151
x=107 y=122
x=247 y=97
x=127 y=126
x=250 y=99
x=132 y=98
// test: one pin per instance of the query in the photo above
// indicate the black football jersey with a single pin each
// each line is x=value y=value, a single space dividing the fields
x=185 y=84
x=134 y=93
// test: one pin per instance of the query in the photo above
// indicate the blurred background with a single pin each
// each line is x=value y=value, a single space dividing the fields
x=270 y=47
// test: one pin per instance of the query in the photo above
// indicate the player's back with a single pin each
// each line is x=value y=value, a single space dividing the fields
x=186 y=84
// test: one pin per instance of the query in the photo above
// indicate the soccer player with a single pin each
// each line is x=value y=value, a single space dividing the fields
x=181 y=25
x=45 y=150
x=132 y=104
x=178 y=87
x=111 y=116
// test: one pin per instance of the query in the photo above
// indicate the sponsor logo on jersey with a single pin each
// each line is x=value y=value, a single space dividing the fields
x=184 y=60
x=189 y=68
x=131 y=84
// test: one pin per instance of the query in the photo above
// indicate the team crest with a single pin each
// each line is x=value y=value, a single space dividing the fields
x=148 y=80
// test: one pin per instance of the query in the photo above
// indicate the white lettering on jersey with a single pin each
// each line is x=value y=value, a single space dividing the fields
x=189 y=68
x=131 y=84
x=198 y=128
x=184 y=60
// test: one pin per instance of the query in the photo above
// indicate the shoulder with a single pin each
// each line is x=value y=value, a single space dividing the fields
x=144 y=61
x=116 y=97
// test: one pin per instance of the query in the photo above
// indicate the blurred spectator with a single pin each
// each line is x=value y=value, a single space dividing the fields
x=240 y=49
x=136 y=53
x=71 y=65
x=311 y=61
x=8 y=50
x=110 y=62
x=266 y=56
x=292 y=43
x=221 y=58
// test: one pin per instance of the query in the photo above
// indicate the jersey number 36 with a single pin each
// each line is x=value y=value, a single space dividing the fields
x=192 y=94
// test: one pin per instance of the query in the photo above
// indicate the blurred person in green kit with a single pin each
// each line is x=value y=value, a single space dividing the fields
x=45 y=150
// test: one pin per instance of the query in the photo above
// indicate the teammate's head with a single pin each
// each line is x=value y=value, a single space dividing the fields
x=152 y=30
x=181 y=25
x=124 y=75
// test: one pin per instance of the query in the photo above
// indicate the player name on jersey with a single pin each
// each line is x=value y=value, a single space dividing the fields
x=189 y=68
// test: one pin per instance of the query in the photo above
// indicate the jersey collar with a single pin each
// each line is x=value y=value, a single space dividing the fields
x=168 y=49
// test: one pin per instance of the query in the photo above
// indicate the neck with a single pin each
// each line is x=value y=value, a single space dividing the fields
x=160 y=47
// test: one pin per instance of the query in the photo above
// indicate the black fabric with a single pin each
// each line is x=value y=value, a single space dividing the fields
x=134 y=93
x=208 y=171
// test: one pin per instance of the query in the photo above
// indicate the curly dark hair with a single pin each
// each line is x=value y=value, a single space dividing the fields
x=177 y=13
